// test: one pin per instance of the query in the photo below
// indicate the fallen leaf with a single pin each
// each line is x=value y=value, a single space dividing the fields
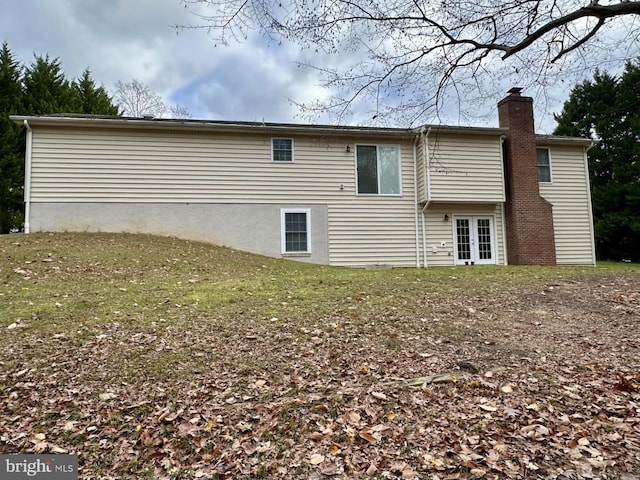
x=208 y=426
x=507 y=389
x=488 y=408
x=334 y=450
x=329 y=469
x=316 y=459
x=409 y=474
x=352 y=417
x=69 y=426
x=366 y=435
x=379 y=395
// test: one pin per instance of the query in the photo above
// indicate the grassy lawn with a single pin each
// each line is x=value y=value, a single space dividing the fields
x=153 y=357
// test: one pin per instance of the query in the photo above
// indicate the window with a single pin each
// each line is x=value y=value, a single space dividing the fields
x=378 y=169
x=295 y=225
x=282 y=149
x=544 y=165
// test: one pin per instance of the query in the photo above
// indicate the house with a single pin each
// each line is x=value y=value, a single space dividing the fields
x=354 y=196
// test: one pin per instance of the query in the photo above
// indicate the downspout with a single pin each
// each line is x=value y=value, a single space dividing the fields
x=27 y=178
x=502 y=209
x=586 y=173
x=425 y=139
x=415 y=200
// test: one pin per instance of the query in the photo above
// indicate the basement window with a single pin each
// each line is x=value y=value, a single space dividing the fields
x=544 y=165
x=295 y=227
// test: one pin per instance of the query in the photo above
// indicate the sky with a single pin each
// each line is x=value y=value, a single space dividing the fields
x=121 y=40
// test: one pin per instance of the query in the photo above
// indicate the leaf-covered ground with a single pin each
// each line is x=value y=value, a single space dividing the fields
x=159 y=358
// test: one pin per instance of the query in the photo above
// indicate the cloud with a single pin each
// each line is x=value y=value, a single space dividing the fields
x=254 y=80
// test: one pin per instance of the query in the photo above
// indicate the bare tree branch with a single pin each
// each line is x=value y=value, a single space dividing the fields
x=413 y=53
x=138 y=100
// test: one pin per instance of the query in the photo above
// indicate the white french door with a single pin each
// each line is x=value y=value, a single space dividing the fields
x=474 y=240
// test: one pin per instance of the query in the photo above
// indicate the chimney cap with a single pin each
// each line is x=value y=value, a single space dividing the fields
x=515 y=91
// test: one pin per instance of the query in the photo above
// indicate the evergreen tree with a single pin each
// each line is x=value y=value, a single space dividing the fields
x=11 y=143
x=46 y=89
x=40 y=89
x=607 y=109
x=91 y=99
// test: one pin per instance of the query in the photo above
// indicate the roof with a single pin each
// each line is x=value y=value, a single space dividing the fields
x=225 y=126
x=78 y=120
x=560 y=139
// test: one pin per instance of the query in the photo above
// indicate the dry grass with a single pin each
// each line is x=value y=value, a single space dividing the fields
x=157 y=357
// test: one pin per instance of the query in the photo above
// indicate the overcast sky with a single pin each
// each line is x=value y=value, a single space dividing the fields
x=127 y=39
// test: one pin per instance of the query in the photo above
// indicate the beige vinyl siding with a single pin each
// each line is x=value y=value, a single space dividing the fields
x=466 y=168
x=438 y=230
x=137 y=166
x=569 y=195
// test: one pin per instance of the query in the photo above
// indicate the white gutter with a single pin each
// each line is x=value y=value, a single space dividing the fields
x=427 y=165
x=425 y=139
x=502 y=204
x=415 y=200
x=27 y=178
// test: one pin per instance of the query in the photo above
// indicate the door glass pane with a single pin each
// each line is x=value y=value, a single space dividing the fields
x=367 y=157
x=464 y=239
x=484 y=239
x=389 y=170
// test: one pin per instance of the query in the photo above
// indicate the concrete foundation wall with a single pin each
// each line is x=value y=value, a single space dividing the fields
x=253 y=228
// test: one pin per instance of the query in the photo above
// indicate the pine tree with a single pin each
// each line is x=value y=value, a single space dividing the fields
x=46 y=89
x=40 y=89
x=607 y=110
x=91 y=99
x=11 y=143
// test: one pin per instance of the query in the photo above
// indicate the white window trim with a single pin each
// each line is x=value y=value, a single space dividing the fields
x=283 y=233
x=377 y=145
x=293 y=156
x=550 y=165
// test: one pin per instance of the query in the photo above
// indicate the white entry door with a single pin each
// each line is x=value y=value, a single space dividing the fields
x=474 y=240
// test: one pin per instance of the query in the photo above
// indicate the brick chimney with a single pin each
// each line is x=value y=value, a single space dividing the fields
x=529 y=217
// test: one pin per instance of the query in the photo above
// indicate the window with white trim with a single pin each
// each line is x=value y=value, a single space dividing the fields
x=282 y=149
x=544 y=165
x=295 y=226
x=378 y=169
